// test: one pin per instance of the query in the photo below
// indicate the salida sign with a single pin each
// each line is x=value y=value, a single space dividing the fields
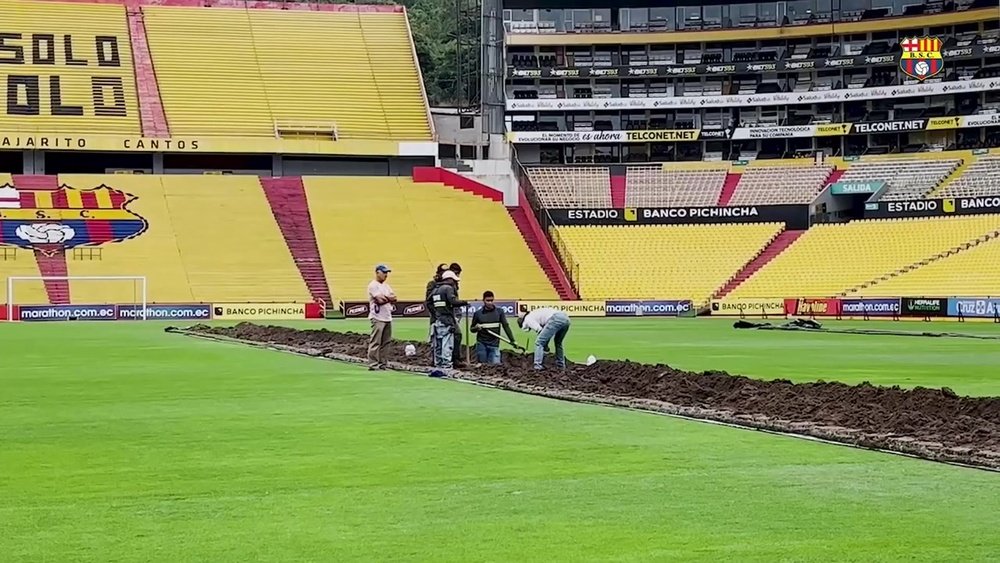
x=62 y=75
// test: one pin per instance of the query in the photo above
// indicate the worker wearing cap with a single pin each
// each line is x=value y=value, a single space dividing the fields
x=550 y=324
x=432 y=313
x=380 y=304
x=486 y=323
x=445 y=300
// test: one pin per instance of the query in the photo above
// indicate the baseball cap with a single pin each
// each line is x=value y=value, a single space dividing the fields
x=382 y=268
x=449 y=275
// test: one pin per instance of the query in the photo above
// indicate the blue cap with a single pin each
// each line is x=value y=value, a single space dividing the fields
x=382 y=268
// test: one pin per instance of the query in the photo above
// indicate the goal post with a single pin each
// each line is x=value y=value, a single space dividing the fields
x=139 y=295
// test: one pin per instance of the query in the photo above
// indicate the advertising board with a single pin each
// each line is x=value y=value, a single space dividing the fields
x=258 y=311
x=199 y=311
x=669 y=308
x=67 y=313
x=821 y=307
x=571 y=308
x=882 y=307
x=977 y=307
x=359 y=309
x=924 y=306
x=747 y=306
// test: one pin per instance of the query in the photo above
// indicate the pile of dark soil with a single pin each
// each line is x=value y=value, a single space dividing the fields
x=931 y=423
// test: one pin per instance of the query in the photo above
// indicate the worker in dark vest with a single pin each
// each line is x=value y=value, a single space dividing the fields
x=486 y=323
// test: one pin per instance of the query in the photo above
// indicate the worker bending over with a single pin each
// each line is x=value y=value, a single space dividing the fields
x=445 y=300
x=486 y=323
x=549 y=324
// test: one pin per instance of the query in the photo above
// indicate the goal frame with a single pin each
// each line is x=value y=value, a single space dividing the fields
x=43 y=279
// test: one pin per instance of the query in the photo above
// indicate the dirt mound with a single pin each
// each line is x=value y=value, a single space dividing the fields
x=931 y=423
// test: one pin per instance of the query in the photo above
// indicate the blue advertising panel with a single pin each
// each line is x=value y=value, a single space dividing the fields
x=668 y=308
x=67 y=313
x=885 y=307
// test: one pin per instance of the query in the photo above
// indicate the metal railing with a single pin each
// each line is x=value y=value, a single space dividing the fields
x=565 y=257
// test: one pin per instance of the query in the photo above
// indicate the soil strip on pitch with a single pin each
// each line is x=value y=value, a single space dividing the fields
x=934 y=424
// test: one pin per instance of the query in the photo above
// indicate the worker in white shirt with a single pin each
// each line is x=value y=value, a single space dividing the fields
x=549 y=324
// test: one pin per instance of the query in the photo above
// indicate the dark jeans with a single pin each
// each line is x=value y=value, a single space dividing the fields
x=486 y=354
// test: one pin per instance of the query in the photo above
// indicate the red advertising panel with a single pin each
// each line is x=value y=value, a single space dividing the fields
x=809 y=307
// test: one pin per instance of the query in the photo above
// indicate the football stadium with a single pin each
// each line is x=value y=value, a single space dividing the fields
x=500 y=280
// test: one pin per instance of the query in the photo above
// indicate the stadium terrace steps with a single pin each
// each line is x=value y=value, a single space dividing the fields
x=287 y=198
x=973 y=271
x=363 y=221
x=151 y=115
x=662 y=261
x=925 y=262
x=53 y=265
x=619 y=190
x=542 y=251
x=438 y=175
x=774 y=248
x=830 y=258
x=351 y=70
x=729 y=188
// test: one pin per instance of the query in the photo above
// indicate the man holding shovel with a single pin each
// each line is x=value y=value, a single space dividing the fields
x=486 y=323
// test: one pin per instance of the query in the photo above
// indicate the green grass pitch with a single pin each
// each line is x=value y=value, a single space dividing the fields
x=119 y=442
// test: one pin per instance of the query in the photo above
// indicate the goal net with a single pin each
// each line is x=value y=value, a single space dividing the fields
x=111 y=297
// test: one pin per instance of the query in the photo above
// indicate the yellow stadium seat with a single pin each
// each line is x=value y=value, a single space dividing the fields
x=830 y=260
x=971 y=272
x=209 y=239
x=662 y=261
x=228 y=71
x=103 y=95
x=361 y=222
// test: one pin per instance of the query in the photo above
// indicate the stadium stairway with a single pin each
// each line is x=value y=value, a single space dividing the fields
x=151 y=115
x=774 y=248
x=619 y=190
x=729 y=188
x=864 y=288
x=52 y=264
x=955 y=174
x=287 y=198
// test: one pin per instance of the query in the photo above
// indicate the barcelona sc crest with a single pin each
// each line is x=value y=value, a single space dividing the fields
x=921 y=57
x=50 y=221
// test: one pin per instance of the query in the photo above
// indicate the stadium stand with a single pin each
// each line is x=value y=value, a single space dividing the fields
x=972 y=271
x=774 y=185
x=412 y=227
x=293 y=73
x=654 y=186
x=579 y=187
x=662 y=262
x=906 y=178
x=17 y=261
x=982 y=178
x=209 y=239
x=97 y=95
x=830 y=260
